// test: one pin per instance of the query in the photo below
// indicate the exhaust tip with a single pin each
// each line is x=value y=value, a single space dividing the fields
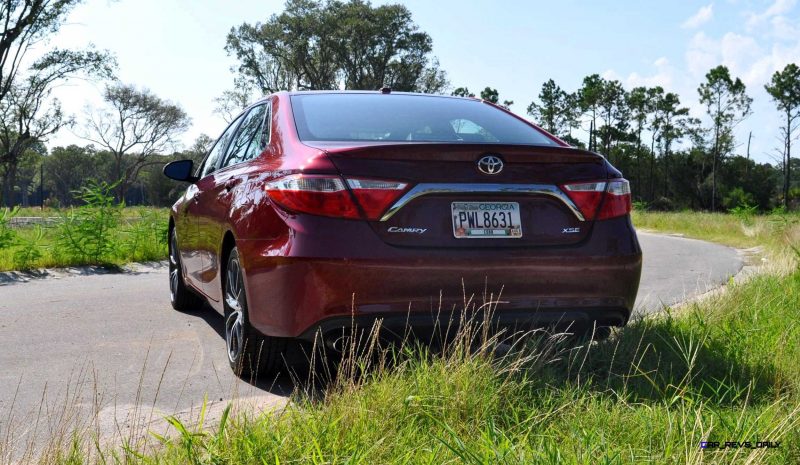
x=337 y=344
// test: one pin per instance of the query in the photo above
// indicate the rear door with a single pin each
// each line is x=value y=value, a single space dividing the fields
x=205 y=208
x=189 y=220
x=245 y=144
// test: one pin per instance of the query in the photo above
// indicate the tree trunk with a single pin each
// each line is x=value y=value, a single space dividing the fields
x=639 y=159
x=25 y=198
x=666 y=172
x=652 y=167
x=119 y=191
x=788 y=164
x=714 y=170
x=9 y=182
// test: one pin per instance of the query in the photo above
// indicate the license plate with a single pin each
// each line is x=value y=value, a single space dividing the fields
x=486 y=220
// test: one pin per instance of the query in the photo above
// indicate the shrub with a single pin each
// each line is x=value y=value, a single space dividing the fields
x=146 y=237
x=738 y=198
x=7 y=235
x=663 y=204
x=86 y=234
x=745 y=213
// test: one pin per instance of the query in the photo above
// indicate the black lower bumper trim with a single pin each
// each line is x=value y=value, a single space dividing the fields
x=424 y=325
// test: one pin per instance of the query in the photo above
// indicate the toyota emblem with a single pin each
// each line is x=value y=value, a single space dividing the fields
x=490 y=164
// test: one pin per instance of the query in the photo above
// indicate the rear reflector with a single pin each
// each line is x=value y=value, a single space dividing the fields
x=329 y=196
x=588 y=196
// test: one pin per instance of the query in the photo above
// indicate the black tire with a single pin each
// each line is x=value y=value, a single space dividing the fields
x=249 y=353
x=180 y=296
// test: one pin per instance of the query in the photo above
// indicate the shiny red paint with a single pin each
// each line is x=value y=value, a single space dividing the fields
x=303 y=270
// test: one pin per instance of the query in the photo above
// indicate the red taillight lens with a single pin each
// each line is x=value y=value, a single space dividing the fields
x=587 y=196
x=318 y=195
x=374 y=195
x=618 y=200
x=328 y=195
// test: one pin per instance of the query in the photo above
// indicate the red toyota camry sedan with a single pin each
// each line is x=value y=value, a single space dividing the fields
x=317 y=211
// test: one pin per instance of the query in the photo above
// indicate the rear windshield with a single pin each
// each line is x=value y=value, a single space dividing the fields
x=398 y=118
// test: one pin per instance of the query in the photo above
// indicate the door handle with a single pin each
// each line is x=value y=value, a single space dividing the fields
x=230 y=184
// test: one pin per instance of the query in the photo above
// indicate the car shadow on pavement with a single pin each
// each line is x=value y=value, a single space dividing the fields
x=281 y=384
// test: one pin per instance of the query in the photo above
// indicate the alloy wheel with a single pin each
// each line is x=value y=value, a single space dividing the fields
x=234 y=320
x=174 y=268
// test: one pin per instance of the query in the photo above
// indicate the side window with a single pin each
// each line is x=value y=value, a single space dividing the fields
x=263 y=137
x=470 y=131
x=210 y=163
x=250 y=138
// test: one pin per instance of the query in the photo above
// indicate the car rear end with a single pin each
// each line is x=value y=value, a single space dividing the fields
x=433 y=200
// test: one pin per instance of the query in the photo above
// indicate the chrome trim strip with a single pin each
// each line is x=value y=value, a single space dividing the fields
x=469 y=188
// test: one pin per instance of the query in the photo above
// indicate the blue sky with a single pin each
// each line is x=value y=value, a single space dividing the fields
x=175 y=48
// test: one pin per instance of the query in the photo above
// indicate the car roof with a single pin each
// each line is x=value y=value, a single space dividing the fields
x=365 y=92
x=376 y=92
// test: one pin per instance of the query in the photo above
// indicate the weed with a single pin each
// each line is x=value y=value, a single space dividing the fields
x=145 y=237
x=7 y=235
x=86 y=233
x=28 y=250
x=745 y=213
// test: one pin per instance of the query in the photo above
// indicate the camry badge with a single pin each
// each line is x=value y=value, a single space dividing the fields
x=490 y=164
x=395 y=229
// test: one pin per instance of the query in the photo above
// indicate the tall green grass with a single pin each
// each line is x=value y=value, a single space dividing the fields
x=745 y=229
x=723 y=369
x=99 y=232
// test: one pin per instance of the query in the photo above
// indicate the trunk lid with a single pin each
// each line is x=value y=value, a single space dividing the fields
x=441 y=174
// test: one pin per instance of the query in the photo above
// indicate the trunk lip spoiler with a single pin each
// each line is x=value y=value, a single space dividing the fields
x=424 y=189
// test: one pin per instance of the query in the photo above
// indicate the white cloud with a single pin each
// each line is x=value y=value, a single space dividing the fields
x=703 y=15
x=739 y=51
x=610 y=75
x=701 y=55
x=784 y=28
x=760 y=71
x=662 y=77
x=736 y=51
x=779 y=7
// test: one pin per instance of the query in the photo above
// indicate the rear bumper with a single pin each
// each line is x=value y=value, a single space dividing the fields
x=297 y=295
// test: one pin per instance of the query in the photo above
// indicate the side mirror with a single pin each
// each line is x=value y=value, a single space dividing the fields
x=180 y=170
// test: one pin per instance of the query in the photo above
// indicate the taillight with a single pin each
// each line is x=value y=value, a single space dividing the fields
x=319 y=195
x=587 y=196
x=618 y=200
x=329 y=196
x=374 y=195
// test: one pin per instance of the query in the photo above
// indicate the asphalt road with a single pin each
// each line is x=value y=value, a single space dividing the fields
x=110 y=347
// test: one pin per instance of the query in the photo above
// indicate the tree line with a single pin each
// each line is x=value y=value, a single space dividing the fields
x=672 y=159
x=132 y=129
